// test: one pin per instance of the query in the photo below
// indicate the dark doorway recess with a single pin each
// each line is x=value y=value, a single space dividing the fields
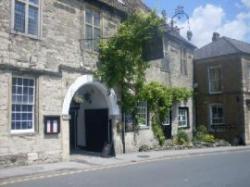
x=167 y=127
x=98 y=130
x=73 y=125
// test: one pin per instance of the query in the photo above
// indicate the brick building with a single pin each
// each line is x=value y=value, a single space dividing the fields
x=47 y=59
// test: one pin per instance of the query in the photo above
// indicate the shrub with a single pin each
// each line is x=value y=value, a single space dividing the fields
x=182 y=138
x=158 y=132
x=202 y=135
x=209 y=138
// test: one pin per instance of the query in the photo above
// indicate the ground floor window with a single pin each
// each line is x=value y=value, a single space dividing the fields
x=23 y=91
x=183 y=117
x=216 y=114
x=142 y=114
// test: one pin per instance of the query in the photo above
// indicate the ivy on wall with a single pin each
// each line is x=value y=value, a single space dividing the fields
x=160 y=100
x=122 y=66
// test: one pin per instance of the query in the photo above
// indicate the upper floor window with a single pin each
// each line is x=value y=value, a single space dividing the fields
x=26 y=17
x=23 y=99
x=214 y=78
x=92 y=29
x=216 y=114
x=183 y=57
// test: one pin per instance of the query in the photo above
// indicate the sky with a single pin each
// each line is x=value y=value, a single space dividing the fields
x=230 y=18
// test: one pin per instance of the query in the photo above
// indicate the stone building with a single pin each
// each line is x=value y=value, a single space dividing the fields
x=47 y=60
x=222 y=74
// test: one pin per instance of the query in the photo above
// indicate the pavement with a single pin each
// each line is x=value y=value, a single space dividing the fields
x=84 y=163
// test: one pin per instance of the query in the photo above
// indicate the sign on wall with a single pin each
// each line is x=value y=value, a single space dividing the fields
x=52 y=124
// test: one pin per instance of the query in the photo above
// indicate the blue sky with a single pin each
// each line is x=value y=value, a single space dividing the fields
x=228 y=17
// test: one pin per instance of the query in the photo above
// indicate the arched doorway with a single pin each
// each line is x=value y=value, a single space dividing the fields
x=91 y=107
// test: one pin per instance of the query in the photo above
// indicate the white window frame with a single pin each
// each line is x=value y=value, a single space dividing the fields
x=211 y=114
x=210 y=81
x=187 y=117
x=93 y=27
x=24 y=131
x=39 y=21
x=146 y=114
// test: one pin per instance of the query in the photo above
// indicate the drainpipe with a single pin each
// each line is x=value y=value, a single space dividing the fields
x=123 y=135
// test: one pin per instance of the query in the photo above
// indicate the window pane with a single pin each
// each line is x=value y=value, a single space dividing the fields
x=88 y=37
x=33 y=20
x=96 y=19
x=88 y=17
x=19 y=17
x=34 y=1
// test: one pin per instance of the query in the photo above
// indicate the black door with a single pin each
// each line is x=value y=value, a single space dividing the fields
x=96 y=129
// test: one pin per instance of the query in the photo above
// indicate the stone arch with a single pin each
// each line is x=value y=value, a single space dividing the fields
x=110 y=96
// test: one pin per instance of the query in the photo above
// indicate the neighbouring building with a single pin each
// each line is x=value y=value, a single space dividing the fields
x=47 y=60
x=222 y=81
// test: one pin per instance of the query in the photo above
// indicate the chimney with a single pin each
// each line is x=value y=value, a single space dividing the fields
x=216 y=36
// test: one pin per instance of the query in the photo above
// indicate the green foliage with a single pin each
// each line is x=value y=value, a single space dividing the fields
x=202 y=135
x=157 y=129
x=160 y=99
x=182 y=138
x=121 y=62
x=122 y=66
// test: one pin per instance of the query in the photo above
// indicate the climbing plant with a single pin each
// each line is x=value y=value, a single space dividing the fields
x=121 y=58
x=160 y=99
x=122 y=66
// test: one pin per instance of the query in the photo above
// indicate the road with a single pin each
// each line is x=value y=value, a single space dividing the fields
x=220 y=170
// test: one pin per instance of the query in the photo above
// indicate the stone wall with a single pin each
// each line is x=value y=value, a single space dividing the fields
x=167 y=71
x=61 y=43
x=231 y=96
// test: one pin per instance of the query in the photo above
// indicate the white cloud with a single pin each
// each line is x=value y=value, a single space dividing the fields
x=246 y=3
x=210 y=18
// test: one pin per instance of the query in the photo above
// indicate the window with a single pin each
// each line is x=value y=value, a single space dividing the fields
x=183 y=117
x=23 y=91
x=26 y=17
x=167 y=120
x=92 y=29
x=216 y=114
x=142 y=113
x=183 y=57
x=215 y=79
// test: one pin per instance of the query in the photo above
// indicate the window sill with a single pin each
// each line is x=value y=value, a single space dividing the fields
x=143 y=127
x=215 y=93
x=22 y=133
x=183 y=127
x=34 y=37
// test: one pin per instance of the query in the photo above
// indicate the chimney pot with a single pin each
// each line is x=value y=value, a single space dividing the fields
x=216 y=36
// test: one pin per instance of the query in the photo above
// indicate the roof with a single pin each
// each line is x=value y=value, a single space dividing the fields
x=176 y=36
x=223 y=46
